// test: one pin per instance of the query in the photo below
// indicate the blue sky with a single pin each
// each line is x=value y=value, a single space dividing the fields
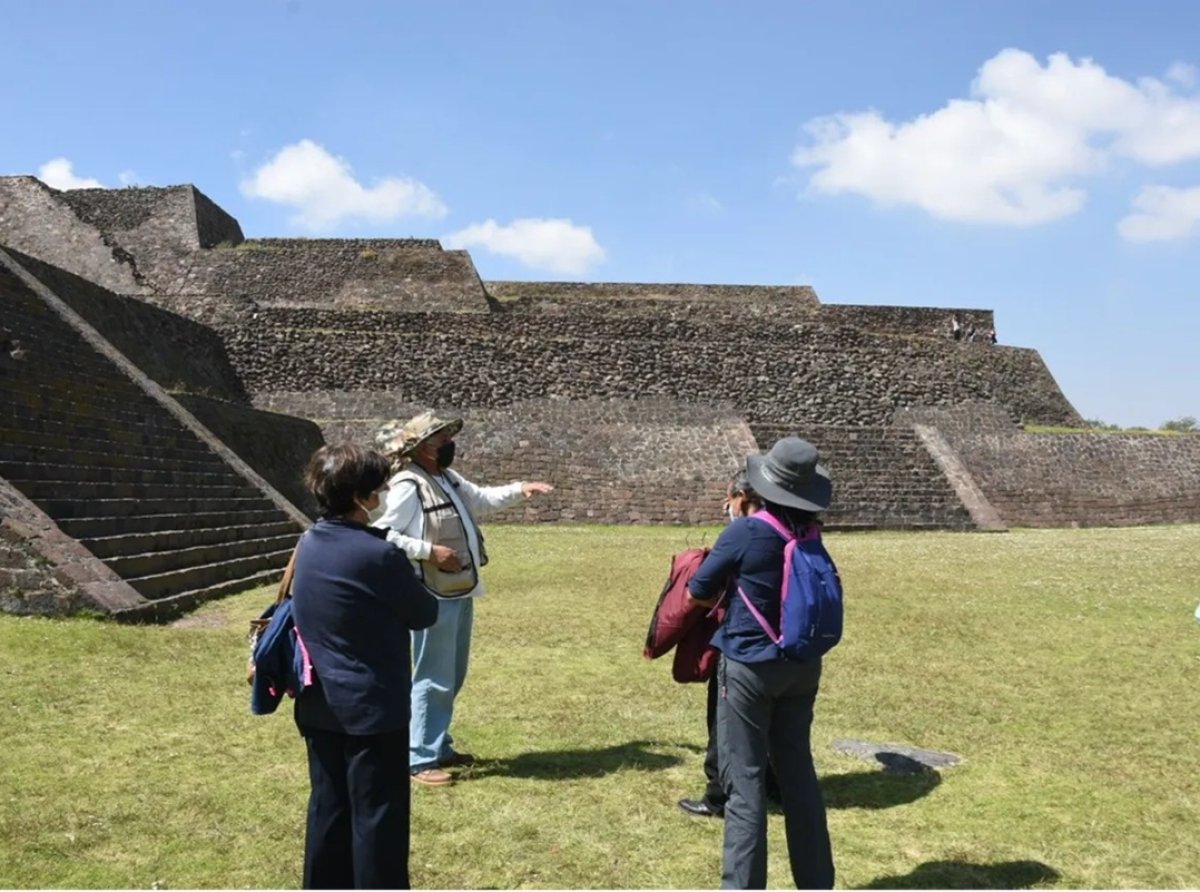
x=1041 y=159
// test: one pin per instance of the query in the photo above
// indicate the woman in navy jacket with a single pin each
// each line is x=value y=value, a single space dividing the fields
x=355 y=600
x=765 y=702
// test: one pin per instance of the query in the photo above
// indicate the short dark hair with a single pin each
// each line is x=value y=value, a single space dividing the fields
x=337 y=474
x=739 y=487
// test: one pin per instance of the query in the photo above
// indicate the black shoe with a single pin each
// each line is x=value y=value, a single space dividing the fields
x=701 y=808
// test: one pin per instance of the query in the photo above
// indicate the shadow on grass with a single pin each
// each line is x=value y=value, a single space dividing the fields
x=557 y=764
x=963 y=875
x=876 y=789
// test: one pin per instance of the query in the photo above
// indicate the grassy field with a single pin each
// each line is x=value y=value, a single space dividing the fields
x=1061 y=665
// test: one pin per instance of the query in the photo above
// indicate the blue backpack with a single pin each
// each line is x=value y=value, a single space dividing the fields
x=810 y=611
x=279 y=663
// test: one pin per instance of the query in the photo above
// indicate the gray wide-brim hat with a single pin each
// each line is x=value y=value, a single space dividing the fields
x=398 y=437
x=789 y=475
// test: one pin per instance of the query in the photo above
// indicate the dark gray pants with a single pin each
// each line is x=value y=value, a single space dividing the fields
x=764 y=713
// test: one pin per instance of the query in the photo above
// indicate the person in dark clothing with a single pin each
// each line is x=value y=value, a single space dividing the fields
x=740 y=501
x=765 y=703
x=355 y=600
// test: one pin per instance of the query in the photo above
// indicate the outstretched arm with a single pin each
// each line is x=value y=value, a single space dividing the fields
x=482 y=499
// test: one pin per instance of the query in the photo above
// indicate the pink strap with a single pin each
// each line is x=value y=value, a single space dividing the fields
x=813 y=532
x=774 y=523
x=762 y=620
x=305 y=662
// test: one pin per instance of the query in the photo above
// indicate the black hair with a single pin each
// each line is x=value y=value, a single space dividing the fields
x=336 y=475
x=795 y=519
x=739 y=487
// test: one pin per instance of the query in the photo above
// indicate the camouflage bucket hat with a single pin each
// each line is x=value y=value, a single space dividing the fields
x=398 y=437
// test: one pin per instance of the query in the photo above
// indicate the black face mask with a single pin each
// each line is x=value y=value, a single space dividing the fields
x=445 y=455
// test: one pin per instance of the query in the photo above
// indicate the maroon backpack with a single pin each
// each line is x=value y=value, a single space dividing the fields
x=681 y=623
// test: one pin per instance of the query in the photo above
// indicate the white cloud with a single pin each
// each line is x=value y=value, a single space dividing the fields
x=58 y=173
x=705 y=203
x=555 y=245
x=1162 y=213
x=1015 y=152
x=1183 y=74
x=128 y=178
x=324 y=192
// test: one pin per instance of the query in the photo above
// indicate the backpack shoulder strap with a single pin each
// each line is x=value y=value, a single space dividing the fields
x=285 y=584
x=789 y=546
x=776 y=637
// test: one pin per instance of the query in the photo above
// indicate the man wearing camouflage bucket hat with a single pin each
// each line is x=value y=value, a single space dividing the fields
x=430 y=515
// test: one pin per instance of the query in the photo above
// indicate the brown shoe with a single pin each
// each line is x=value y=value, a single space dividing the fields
x=433 y=777
x=457 y=760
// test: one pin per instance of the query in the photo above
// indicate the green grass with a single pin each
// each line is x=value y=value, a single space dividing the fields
x=1061 y=665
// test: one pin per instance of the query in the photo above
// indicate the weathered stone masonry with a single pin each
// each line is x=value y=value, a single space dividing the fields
x=581 y=383
x=801 y=374
x=1061 y=479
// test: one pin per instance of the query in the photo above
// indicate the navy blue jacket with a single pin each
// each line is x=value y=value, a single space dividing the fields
x=748 y=553
x=279 y=666
x=355 y=598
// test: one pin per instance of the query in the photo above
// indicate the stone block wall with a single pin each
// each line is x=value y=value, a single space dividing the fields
x=931 y=322
x=131 y=241
x=214 y=226
x=398 y=274
x=128 y=210
x=542 y=296
x=610 y=460
x=1083 y=479
x=43 y=571
x=28 y=582
x=276 y=446
x=883 y=478
x=729 y=307
x=177 y=353
x=347 y=332
x=159 y=227
x=646 y=461
x=803 y=374
x=134 y=504
x=37 y=221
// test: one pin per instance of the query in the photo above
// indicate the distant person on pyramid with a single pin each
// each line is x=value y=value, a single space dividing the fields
x=430 y=514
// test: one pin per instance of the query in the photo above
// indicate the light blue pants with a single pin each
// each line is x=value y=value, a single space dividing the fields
x=440 y=655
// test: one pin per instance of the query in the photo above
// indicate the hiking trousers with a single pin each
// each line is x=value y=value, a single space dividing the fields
x=764 y=714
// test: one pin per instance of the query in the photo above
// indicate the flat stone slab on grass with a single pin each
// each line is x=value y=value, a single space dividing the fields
x=896 y=758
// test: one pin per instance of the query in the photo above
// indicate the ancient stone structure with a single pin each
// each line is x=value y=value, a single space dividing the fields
x=636 y=400
x=1070 y=479
x=114 y=497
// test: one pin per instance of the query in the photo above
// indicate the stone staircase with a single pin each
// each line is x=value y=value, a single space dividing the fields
x=883 y=478
x=116 y=470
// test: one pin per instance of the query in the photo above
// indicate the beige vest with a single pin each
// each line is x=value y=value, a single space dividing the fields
x=443 y=526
